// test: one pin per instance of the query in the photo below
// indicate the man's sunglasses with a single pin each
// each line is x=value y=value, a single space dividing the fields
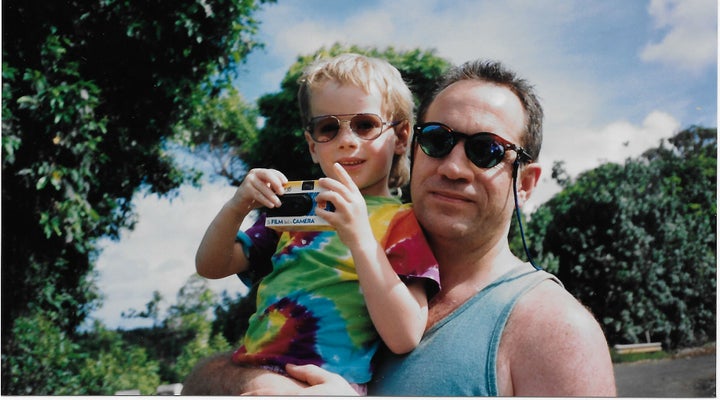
x=366 y=126
x=484 y=149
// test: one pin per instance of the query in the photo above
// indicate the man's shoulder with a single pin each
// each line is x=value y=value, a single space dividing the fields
x=552 y=335
x=549 y=326
x=550 y=306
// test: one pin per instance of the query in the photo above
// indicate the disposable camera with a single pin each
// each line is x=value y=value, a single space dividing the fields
x=297 y=212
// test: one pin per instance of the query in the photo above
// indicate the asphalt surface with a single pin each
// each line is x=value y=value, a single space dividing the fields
x=692 y=376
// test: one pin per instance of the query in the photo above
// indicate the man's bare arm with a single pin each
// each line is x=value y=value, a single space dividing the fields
x=217 y=375
x=553 y=346
x=214 y=376
x=320 y=381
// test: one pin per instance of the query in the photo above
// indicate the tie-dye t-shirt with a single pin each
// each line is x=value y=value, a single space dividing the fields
x=310 y=309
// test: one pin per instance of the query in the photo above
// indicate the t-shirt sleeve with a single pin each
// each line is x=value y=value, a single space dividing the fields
x=259 y=243
x=409 y=253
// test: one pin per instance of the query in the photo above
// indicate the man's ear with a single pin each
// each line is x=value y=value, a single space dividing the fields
x=528 y=178
x=402 y=132
x=311 y=147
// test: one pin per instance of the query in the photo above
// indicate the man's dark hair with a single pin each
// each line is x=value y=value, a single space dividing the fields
x=497 y=73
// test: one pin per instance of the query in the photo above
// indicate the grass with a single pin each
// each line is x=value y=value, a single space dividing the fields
x=708 y=348
x=632 y=357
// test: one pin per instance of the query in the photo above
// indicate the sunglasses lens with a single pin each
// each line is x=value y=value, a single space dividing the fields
x=325 y=129
x=366 y=126
x=484 y=151
x=435 y=141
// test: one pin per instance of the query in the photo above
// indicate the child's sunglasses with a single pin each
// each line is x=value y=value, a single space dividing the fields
x=484 y=149
x=366 y=126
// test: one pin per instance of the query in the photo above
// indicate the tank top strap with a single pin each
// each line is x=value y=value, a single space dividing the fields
x=458 y=355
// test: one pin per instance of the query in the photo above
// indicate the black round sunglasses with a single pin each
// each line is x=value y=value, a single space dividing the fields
x=484 y=149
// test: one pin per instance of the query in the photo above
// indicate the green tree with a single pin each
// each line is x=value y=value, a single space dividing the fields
x=111 y=365
x=204 y=344
x=193 y=305
x=46 y=361
x=232 y=315
x=152 y=310
x=91 y=91
x=183 y=335
x=89 y=95
x=42 y=361
x=637 y=242
x=221 y=131
x=192 y=312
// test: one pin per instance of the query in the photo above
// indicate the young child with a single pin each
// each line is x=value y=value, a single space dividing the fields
x=332 y=295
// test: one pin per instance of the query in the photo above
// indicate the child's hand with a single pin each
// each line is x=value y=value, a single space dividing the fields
x=261 y=187
x=350 y=218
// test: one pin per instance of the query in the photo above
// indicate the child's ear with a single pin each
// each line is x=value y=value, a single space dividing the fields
x=402 y=131
x=311 y=146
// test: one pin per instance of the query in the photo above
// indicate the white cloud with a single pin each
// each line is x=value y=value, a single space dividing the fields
x=160 y=253
x=584 y=149
x=460 y=31
x=691 y=39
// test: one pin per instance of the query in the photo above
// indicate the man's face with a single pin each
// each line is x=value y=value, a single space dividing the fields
x=453 y=198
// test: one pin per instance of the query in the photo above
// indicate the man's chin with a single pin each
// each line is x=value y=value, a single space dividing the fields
x=445 y=225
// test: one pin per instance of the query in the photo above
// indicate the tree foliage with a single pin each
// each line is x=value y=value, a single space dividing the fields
x=182 y=336
x=41 y=361
x=232 y=315
x=111 y=364
x=637 y=242
x=91 y=92
x=222 y=132
x=46 y=361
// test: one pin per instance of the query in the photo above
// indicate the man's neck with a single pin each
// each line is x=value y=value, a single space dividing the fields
x=472 y=263
x=465 y=270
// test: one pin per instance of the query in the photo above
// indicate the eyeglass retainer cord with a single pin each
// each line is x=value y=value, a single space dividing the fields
x=516 y=166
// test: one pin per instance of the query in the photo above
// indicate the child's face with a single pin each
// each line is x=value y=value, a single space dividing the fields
x=368 y=162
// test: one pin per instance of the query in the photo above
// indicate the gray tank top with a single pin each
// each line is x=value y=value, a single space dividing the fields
x=457 y=356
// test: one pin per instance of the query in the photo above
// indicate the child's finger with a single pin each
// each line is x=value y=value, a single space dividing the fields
x=273 y=179
x=266 y=185
x=329 y=196
x=344 y=185
x=278 y=182
x=344 y=177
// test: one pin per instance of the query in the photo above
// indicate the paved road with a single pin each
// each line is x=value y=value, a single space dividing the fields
x=679 y=377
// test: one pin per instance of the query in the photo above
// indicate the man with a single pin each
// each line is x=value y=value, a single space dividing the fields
x=498 y=326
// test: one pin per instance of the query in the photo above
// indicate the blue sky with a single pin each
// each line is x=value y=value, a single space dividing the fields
x=615 y=77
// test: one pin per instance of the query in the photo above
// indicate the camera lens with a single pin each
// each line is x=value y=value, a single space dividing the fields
x=292 y=205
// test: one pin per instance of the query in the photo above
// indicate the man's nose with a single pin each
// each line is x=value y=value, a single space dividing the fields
x=456 y=165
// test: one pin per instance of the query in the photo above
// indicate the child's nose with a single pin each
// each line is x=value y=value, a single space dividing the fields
x=345 y=134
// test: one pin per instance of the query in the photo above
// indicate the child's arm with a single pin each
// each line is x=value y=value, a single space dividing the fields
x=398 y=311
x=219 y=255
